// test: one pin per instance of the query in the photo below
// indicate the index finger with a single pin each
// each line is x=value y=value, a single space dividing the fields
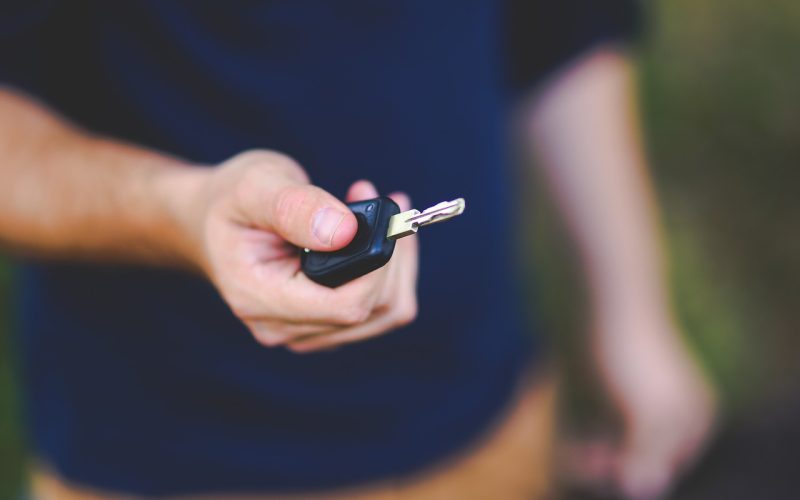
x=302 y=300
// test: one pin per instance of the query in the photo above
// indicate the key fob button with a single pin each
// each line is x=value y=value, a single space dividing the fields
x=369 y=250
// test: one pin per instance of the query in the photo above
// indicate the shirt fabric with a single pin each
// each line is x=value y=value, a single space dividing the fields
x=140 y=379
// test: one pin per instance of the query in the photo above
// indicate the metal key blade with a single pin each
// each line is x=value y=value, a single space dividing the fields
x=439 y=212
x=408 y=222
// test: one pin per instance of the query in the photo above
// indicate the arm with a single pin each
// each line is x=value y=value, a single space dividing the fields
x=584 y=127
x=67 y=194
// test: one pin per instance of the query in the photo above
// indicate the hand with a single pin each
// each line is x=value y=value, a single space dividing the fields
x=667 y=405
x=252 y=213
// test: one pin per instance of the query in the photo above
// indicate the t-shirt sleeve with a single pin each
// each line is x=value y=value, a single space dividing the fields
x=544 y=35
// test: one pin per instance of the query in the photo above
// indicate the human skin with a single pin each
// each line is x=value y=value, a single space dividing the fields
x=583 y=125
x=67 y=194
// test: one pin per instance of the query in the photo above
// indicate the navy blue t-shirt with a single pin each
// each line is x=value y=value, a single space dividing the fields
x=140 y=379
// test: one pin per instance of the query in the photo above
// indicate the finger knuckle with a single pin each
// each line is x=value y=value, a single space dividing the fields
x=239 y=292
x=270 y=340
x=284 y=164
x=368 y=290
x=406 y=312
x=241 y=312
x=257 y=162
x=299 y=349
x=262 y=157
x=268 y=337
x=354 y=314
x=288 y=203
x=242 y=308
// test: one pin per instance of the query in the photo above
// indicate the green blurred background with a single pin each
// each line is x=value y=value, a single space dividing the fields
x=721 y=94
x=720 y=82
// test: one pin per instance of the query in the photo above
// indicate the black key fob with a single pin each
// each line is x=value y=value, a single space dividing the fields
x=369 y=250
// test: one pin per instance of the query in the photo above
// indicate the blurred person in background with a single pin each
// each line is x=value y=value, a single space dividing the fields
x=156 y=166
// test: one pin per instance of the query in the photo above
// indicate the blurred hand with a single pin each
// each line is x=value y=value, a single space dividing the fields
x=253 y=212
x=667 y=405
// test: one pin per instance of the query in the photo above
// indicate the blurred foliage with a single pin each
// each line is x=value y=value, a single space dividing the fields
x=11 y=437
x=720 y=81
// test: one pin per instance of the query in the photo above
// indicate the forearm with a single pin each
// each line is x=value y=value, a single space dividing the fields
x=585 y=130
x=67 y=194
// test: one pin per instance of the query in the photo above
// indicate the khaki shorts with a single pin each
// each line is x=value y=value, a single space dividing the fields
x=512 y=461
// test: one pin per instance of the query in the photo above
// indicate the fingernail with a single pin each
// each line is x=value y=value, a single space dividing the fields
x=326 y=222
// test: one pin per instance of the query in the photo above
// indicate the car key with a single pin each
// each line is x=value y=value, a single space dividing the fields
x=380 y=224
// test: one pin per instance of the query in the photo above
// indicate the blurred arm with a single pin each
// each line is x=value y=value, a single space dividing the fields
x=65 y=193
x=585 y=130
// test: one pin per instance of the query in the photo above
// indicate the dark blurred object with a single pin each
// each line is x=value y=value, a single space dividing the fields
x=543 y=35
x=12 y=446
x=720 y=81
x=754 y=459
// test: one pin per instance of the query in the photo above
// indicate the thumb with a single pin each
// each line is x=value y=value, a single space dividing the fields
x=309 y=217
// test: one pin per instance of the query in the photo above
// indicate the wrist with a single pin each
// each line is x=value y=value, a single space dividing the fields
x=179 y=191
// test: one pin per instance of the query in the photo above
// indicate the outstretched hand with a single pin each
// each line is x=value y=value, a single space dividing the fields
x=252 y=214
